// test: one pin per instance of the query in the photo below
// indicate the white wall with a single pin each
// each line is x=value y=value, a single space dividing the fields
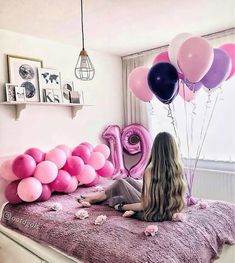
x=46 y=126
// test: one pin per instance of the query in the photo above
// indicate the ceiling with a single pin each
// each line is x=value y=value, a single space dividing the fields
x=116 y=26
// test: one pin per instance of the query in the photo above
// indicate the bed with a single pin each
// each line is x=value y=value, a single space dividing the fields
x=199 y=239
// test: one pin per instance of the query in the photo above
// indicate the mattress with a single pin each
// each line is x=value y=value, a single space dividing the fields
x=199 y=239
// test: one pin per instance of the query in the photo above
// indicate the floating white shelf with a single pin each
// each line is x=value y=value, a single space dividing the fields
x=20 y=106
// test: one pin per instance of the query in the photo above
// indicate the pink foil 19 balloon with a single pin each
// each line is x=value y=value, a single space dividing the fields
x=23 y=166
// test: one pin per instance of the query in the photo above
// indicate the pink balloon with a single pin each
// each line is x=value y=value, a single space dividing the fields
x=137 y=82
x=104 y=149
x=46 y=193
x=174 y=47
x=29 y=189
x=161 y=57
x=56 y=156
x=23 y=166
x=72 y=186
x=195 y=58
x=37 y=154
x=6 y=171
x=66 y=149
x=185 y=92
x=74 y=165
x=94 y=183
x=107 y=170
x=83 y=152
x=88 y=175
x=97 y=160
x=88 y=145
x=62 y=181
x=229 y=48
x=11 y=193
x=46 y=172
x=113 y=136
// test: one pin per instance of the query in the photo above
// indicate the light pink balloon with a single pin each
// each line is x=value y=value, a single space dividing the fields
x=104 y=149
x=56 y=156
x=161 y=57
x=88 y=145
x=66 y=149
x=107 y=170
x=97 y=160
x=72 y=186
x=29 y=189
x=88 y=175
x=137 y=82
x=74 y=165
x=93 y=183
x=62 y=181
x=195 y=58
x=83 y=152
x=23 y=166
x=229 y=48
x=37 y=154
x=46 y=172
x=46 y=193
x=174 y=47
x=6 y=171
x=185 y=93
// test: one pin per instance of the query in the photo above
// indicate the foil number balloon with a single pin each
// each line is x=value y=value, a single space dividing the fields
x=134 y=139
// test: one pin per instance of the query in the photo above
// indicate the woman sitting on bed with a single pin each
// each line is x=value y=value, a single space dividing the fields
x=160 y=195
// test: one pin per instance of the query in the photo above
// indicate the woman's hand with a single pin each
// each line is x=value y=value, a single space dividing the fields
x=128 y=213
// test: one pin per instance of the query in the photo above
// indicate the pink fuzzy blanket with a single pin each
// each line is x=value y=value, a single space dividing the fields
x=121 y=240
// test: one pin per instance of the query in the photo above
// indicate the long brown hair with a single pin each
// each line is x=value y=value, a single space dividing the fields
x=162 y=196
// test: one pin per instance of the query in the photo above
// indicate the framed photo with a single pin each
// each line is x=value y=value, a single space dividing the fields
x=67 y=88
x=57 y=96
x=49 y=79
x=52 y=95
x=20 y=94
x=10 y=92
x=23 y=72
x=75 y=97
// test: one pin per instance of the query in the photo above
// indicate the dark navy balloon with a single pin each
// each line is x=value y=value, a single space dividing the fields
x=163 y=81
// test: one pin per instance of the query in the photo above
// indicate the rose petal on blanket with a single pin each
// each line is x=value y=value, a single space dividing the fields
x=100 y=220
x=151 y=230
x=81 y=214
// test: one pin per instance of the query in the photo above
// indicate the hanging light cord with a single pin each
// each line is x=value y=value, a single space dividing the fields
x=82 y=25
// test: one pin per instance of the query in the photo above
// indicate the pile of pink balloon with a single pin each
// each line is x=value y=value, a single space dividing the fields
x=196 y=64
x=35 y=175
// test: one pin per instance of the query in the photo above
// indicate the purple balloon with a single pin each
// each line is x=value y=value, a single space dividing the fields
x=219 y=70
x=11 y=193
x=193 y=86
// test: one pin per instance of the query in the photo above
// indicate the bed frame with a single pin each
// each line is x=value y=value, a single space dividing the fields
x=15 y=247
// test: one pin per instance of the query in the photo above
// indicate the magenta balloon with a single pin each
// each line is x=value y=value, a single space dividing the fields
x=23 y=166
x=193 y=86
x=57 y=156
x=229 y=48
x=46 y=193
x=66 y=149
x=87 y=144
x=195 y=58
x=83 y=152
x=74 y=165
x=6 y=171
x=112 y=135
x=219 y=70
x=29 y=189
x=137 y=83
x=37 y=154
x=94 y=183
x=97 y=160
x=46 y=172
x=104 y=149
x=88 y=175
x=136 y=134
x=62 y=181
x=72 y=186
x=11 y=193
x=107 y=170
x=162 y=57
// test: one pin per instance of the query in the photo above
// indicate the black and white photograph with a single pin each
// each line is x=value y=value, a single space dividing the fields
x=20 y=94
x=68 y=87
x=10 y=92
x=49 y=79
x=23 y=72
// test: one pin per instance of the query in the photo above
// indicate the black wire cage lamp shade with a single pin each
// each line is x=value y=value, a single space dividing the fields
x=84 y=69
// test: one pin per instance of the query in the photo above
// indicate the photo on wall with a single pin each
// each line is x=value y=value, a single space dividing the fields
x=68 y=87
x=22 y=71
x=49 y=79
x=10 y=92
x=20 y=94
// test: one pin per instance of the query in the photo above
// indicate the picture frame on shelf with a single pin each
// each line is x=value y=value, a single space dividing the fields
x=52 y=95
x=20 y=94
x=75 y=97
x=67 y=88
x=23 y=71
x=10 y=92
x=49 y=79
